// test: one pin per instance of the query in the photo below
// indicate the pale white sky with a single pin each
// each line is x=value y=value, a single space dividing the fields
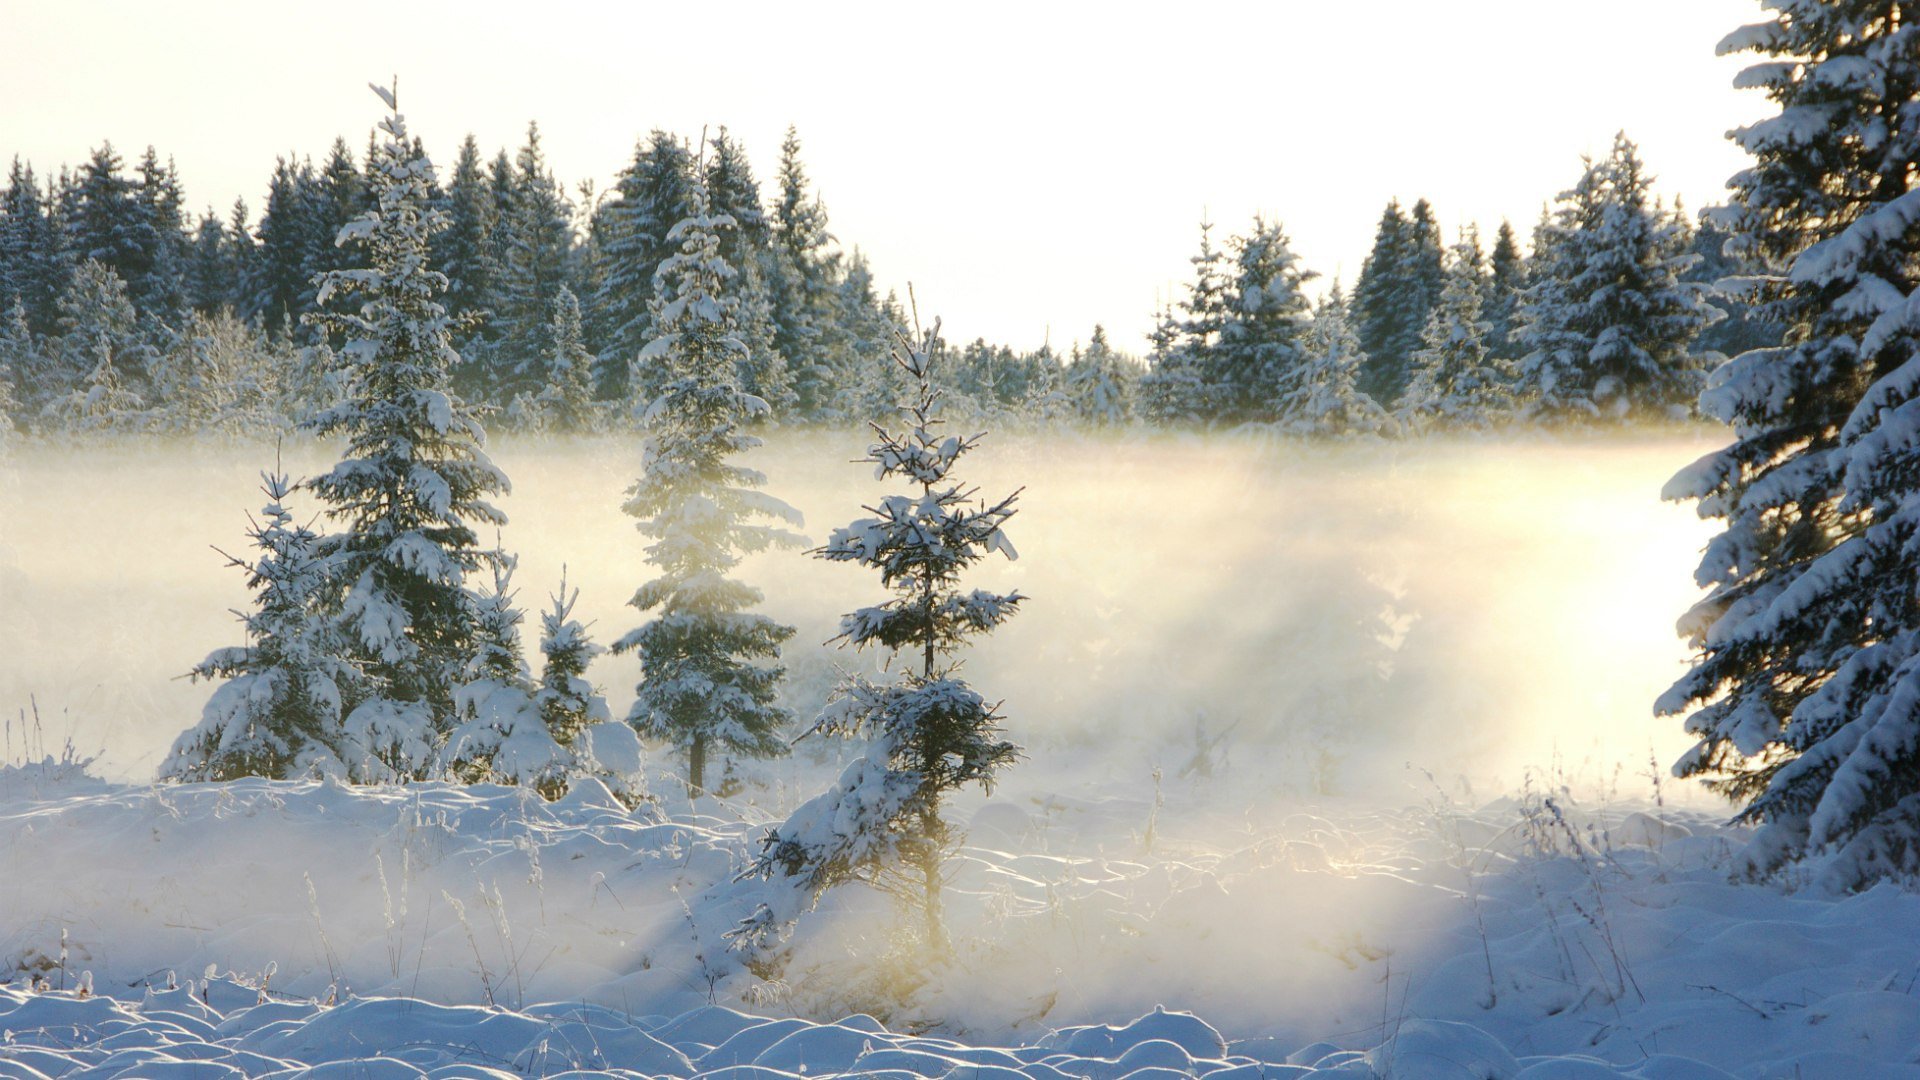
x=1029 y=166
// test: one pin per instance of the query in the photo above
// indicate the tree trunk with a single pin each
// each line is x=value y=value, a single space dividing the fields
x=697 y=766
x=930 y=881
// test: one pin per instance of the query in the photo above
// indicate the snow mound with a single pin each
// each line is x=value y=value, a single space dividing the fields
x=265 y=928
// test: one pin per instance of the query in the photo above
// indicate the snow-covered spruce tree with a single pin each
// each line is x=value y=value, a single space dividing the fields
x=1606 y=323
x=32 y=249
x=567 y=700
x=1804 y=693
x=652 y=194
x=1263 y=328
x=543 y=736
x=930 y=732
x=100 y=404
x=575 y=715
x=1506 y=279
x=1100 y=384
x=705 y=682
x=98 y=325
x=1173 y=392
x=1045 y=404
x=1455 y=380
x=278 y=712
x=1324 y=399
x=1169 y=390
x=413 y=485
x=537 y=262
x=801 y=289
x=565 y=400
x=498 y=734
x=1398 y=286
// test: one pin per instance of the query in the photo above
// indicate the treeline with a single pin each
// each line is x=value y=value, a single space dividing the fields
x=1611 y=317
x=120 y=312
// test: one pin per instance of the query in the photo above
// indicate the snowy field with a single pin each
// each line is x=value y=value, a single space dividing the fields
x=1342 y=757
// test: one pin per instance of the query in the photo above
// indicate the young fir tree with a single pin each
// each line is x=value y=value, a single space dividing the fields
x=930 y=732
x=567 y=701
x=1324 y=399
x=97 y=317
x=499 y=735
x=1607 y=323
x=1803 y=694
x=576 y=716
x=707 y=681
x=1169 y=389
x=101 y=370
x=277 y=714
x=1046 y=403
x=546 y=736
x=413 y=485
x=1455 y=381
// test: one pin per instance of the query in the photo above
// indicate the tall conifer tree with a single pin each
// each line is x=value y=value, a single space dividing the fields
x=708 y=681
x=412 y=490
x=1803 y=694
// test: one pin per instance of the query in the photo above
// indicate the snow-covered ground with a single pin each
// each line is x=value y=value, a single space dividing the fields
x=1236 y=672
x=451 y=930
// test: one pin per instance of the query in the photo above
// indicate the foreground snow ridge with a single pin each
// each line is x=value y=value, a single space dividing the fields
x=408 y=931
x=224 y=1028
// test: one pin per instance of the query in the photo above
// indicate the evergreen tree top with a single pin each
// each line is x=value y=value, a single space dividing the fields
x=800 y=220
x=698 y=422
x=920 y=544
x=414 y=482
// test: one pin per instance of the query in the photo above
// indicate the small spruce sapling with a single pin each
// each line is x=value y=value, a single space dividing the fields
x=576 y=716
x=930 y=732
x=278 y=713
x=566 y=401
x=499 y=735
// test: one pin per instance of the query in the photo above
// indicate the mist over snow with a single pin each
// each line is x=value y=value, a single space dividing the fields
x=1347 y=750
x=1320 y=617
